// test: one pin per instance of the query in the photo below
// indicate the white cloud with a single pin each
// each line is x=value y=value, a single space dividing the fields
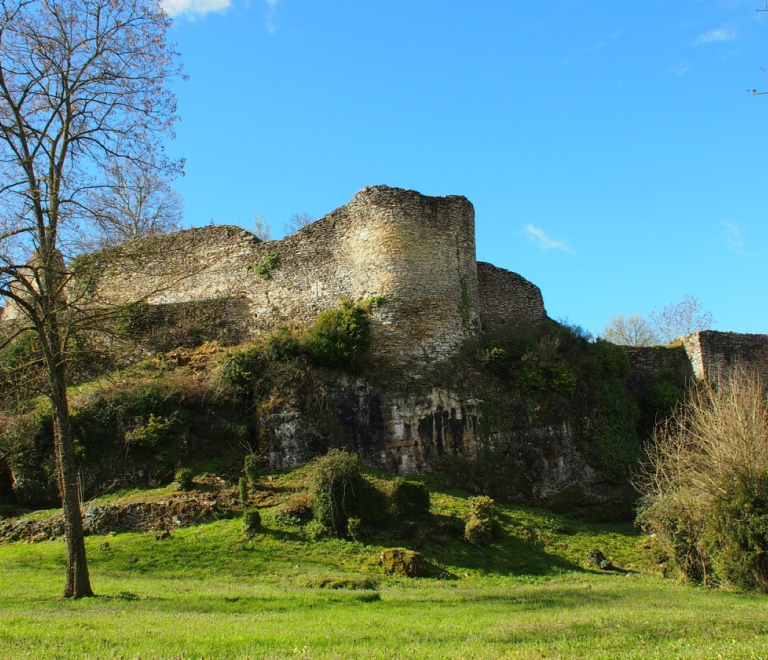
x=680 y=69
x=540 y=237
x=735 y=240
x=719 y=34
x=178 y=7
x=269 y=18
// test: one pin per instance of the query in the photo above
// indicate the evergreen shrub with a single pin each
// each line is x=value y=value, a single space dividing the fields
x=252 y=470
x=184 y=479
x=251 y=522
x=340 y=335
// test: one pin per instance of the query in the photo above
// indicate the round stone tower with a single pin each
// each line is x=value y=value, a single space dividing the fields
x=419 y=253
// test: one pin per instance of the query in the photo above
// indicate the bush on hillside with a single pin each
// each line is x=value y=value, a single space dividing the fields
x=479 y=531
x=252 y=470
x=340 y=335
x=251 y=522
x=705 y=486
x=482 y=507
x=184 y=479
x=481 y=523
x=336 y=485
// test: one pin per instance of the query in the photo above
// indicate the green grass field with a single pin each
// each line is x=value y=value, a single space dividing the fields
x=206 y=592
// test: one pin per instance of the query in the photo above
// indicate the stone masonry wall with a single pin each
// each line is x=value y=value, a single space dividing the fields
x=507 y=298
x=646 y=362
x=714 y=354
x=416 y=251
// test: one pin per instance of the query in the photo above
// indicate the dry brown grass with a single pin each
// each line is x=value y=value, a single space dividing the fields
x=707 y=464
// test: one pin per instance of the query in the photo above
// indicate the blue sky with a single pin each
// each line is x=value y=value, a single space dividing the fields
x=611 y=150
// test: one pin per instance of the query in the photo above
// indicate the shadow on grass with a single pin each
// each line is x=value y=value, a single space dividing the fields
x=445 y=548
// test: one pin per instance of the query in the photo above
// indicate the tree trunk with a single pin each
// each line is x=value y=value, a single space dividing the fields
x=78 y=579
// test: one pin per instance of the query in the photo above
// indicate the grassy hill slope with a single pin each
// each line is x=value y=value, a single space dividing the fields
x=206 y=591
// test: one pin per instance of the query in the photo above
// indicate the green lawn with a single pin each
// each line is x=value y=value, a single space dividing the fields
x=207 y=592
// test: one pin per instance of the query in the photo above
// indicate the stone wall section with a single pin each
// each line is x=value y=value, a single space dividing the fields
x=416 y=251
x=646 y=362
x=714 y=355
x=507 y=299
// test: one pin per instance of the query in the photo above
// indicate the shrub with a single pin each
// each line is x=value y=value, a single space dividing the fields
x=529 y=378
x=243 y=486
x=281 y=345
x=251 y=522
x=354 y=527
x=336 y=483
x=340 y=335
x=242 y=370
x=184 y=478
x=314 y=530
x=561 y=379
x=482 y=507
x=264 y=268
x=252 y=470
x=495 y=358
x=705 y=486
x=479 y=531
x=482 y=520
x=155 y=433
x=408 y=498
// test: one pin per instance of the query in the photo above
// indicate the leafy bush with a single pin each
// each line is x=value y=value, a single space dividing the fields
x=354 y=527
x=705 y=486
x=340 y=335
x=479 y=531
x=252 y=470
x=155 y=433
x=481 y=523
x=482 y=507
x=264 y=268
x=561 y=379
x=314 y=530
x=336 y=483
x=495 y=357
x=529 y=378
x=251 y=522
x=184 y=478
x=242 y=370
x=340 y=492
x=281 y=345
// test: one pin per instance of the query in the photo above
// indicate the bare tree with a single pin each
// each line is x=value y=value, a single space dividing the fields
x=296 y=222
x=261 y=228
x=631 y=331
x=83 y=84
x=136 y=201
x=680 y=319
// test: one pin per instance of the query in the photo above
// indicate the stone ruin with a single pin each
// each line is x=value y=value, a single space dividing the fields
x=418 y=253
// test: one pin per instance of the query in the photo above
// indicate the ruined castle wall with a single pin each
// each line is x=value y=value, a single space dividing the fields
x=714 y=354
x=416 y=251
x=647 y=362
x=507 y=299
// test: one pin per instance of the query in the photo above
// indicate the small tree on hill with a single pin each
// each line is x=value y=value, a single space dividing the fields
x=631 y=331
x=681 y=318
